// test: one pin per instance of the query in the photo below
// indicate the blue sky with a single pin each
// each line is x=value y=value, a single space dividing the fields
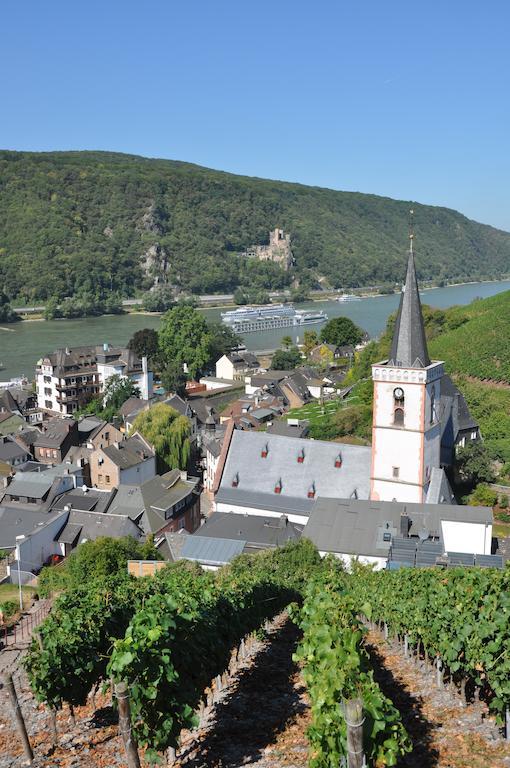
x=408 y=100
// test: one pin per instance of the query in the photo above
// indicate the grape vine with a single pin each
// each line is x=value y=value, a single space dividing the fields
x=336 y=667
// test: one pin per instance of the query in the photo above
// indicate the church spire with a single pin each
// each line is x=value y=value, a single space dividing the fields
x=409 y=346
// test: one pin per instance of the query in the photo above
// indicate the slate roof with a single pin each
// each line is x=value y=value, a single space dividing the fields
x=90 y=500
x=171 y=545
x=32 y=484
x=350 y=526
x=161 y=493
x=56 y=431
x=258 y=476
x=19 y=521
x=130 y=452
x=131 y=406
x=409 y=346
x=257 y=532
x=439 y=491
x=282 y=427
x=128 y=501
x=95 y=524
x=211 y=551
x=10 y=450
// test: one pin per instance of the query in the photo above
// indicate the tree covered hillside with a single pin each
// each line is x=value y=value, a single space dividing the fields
x=76 y=222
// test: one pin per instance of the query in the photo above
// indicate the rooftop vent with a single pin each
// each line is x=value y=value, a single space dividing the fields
x=235 y=480
x=264 y=451
x=311 y=491
x=278 y=486
x=301 y=456
x=338 y=461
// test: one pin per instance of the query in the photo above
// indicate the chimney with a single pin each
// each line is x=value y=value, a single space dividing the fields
x=404 y=524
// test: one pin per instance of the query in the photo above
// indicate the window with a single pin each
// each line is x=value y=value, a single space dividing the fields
x=107 y=478
x=55 y=454
x=396 y=472
x=100 y=478
x=432 y=404
x=398 y=417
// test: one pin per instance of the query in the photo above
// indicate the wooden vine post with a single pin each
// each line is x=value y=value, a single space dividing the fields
x=121 y=692
x=354 y=720
x=18 y=716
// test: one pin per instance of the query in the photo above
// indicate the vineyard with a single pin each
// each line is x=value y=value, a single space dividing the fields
x=168 y=644
x=474 y=339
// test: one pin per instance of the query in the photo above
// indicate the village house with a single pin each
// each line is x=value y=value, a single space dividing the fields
x=12 y=453
x=171 y=502
x=55 y=439
x=236 y=365
x=127 y=462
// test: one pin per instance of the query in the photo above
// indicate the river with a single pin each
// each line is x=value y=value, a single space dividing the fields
x=22 y=344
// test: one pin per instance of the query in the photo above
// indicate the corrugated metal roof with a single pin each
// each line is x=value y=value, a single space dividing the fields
x=211 y=551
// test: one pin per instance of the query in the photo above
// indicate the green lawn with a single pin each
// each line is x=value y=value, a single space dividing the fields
x=315 y=413
x=11 y=592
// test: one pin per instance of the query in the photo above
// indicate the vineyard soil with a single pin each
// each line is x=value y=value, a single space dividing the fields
x=445 y=734
x=262 y=716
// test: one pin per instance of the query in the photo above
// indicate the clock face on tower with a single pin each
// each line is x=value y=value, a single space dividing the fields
x=398 y=393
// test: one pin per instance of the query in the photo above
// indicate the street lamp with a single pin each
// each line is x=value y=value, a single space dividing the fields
x=19 y=538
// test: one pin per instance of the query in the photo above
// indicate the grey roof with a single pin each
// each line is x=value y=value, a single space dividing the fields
x=409 y=346
x=282 y=427
x=161 y=493
x=439 y=491
x=262 y=413
x=171 y=545
x=88 y=424
x=128 y=501
x=129 y=453
x=131 y=406
x=95 y=524
x=211 y=551
x=69 y=533
x=258 y=476
x=90 y=500
x=354 y=527
x=181 y=406
x=258 y=532
x=19 y=521
x=9 y=449
x=297 y=383
x=453 y=404
x=55 y=432
x=33 y=484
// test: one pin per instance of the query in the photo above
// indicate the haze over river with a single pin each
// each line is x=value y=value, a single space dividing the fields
x=23 y=343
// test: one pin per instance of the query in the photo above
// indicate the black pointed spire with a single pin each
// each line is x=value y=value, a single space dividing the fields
x=409 y=346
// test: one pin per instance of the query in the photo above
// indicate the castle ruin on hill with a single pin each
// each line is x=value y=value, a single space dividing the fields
x=278 y=250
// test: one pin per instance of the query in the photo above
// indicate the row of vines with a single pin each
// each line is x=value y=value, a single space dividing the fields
x=459 y=619
x=336 y=670
x=166 y=636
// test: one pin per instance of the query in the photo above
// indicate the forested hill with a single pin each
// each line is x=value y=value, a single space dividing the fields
x=95 y=221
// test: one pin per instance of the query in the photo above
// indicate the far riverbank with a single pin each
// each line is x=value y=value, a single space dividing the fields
x=23 y=343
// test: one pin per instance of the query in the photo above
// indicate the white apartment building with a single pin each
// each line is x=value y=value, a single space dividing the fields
x=68 y=378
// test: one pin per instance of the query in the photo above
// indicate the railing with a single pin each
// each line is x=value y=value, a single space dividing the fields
x=22 y=630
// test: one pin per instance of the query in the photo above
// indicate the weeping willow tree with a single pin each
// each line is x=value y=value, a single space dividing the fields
x=168 y=432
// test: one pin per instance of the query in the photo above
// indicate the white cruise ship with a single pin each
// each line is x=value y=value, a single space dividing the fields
x=251 y=319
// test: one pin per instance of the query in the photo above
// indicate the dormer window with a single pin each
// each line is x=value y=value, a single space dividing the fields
x=338 y=461
x=278 y=486
x=235 y=480
x=301 y=456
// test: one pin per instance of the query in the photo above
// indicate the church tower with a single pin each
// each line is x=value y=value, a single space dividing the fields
x=406 y=430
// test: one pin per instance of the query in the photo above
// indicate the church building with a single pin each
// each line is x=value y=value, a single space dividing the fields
x=406 y=432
